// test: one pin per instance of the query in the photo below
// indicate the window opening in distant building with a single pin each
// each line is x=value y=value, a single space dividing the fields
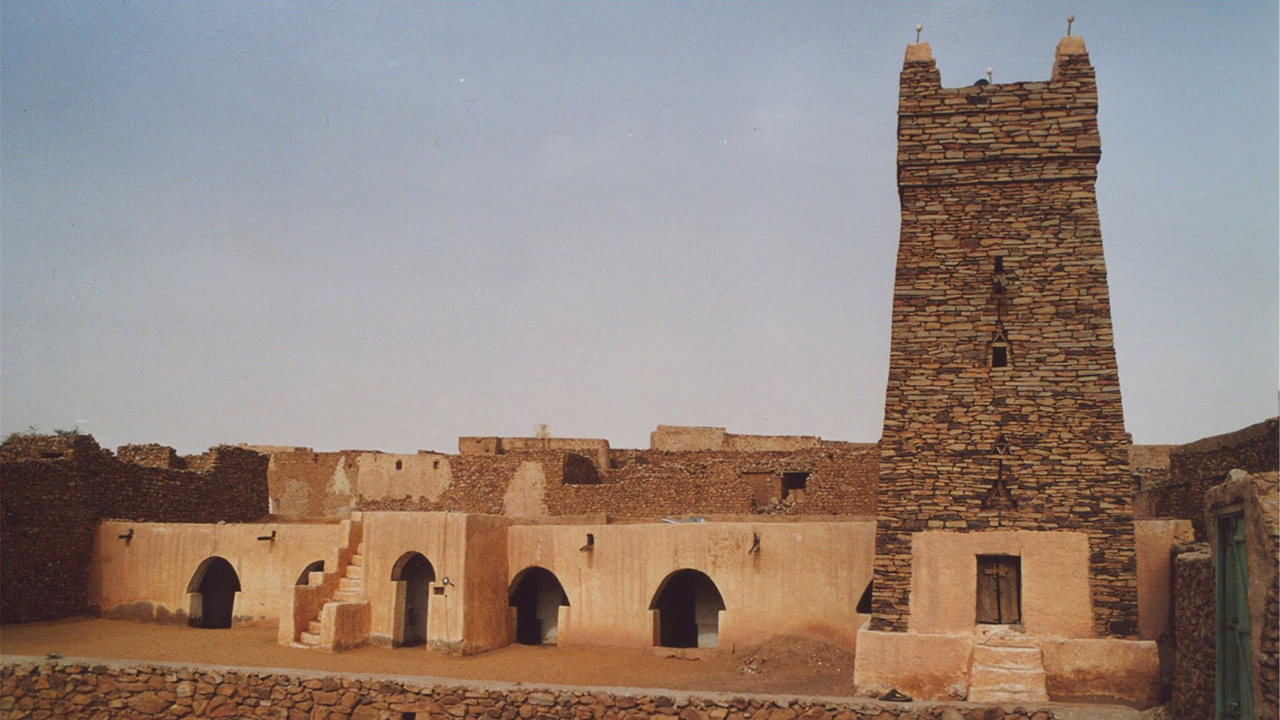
x=793 y=485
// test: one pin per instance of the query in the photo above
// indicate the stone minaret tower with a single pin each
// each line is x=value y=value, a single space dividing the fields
x=1003 y=405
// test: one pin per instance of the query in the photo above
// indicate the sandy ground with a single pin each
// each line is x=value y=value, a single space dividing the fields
x=785 y=665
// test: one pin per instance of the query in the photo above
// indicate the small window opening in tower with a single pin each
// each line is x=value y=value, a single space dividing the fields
x=399 y=465
x=999 y=348
x=998 y=279
x=999 y=356
x=793 y=485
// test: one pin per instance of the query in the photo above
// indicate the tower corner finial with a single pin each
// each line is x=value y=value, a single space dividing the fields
x=919 y=51
x=1070 y=19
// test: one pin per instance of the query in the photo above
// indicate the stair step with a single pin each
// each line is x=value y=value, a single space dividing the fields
x=979 y=695
x=313 y=627
x=357 y=559
x=348 y=596
x=355 y=571
x=310 y=639
x=1016 y=658
x=1007 y=674
x=350 y=584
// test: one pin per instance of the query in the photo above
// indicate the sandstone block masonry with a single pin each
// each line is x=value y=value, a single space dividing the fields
x=1003 y=401
x=57 y=487
x=711 y=472
x=145 y=691
x=1176 y=487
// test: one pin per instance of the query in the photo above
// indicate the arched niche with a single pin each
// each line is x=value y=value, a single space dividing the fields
x=537 y=595
x=687 y=607
x=413 y=575
x=212 y=591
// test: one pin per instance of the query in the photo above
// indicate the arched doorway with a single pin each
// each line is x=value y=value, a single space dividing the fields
x=305 y=577
x=213 y=590
x=537 y=595
x=413 y=575
x=687 y=609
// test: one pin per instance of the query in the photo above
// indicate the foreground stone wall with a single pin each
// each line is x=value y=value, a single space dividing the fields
x=1193 y=618
x=57 y=487
x=141 y=692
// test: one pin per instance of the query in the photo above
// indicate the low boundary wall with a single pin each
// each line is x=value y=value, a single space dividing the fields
x=74 y=689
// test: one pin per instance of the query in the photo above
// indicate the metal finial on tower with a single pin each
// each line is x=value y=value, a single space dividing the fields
x=919 y=27
x=1070 y=19
x=988 y=74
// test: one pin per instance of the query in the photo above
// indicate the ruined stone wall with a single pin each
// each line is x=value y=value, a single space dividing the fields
x=1001 y=247
x=151 y=455
x=1193 y=622
x=647 y=483
x=1196 y=467
x=681 y=438
x=56 y=489
x=46 y=539
x=137 y=692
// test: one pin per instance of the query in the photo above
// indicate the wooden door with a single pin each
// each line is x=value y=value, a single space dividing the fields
x=1234 y=672
x=999 y=589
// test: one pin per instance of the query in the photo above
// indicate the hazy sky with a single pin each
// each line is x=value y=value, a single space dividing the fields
x=385 y=225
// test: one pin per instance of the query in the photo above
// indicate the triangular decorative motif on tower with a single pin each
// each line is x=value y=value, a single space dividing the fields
x=998 y=495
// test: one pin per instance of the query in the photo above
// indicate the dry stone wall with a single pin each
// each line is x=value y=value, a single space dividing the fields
x=1000 y=259
x=145 y=692
x=1196 y=467
x=840 y=480
x=1193 y=622
x=56 y=488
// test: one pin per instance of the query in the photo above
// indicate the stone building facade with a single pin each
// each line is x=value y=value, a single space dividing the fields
x=685 y=471
x=1003 y=404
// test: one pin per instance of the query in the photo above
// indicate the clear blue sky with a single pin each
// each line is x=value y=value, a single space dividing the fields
x=385 y=225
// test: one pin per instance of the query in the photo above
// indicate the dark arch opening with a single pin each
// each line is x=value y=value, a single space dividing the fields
x=213 y=590
x=305 y=577
x=415 y=574
x=864 y=602
x=537 y=595
x=688 y=609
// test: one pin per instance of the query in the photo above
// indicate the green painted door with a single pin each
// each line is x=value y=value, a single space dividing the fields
x=1234 y=679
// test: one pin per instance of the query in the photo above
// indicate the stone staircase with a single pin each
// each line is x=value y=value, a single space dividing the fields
x=1007 y=671
x=330 y=612
x=350 y=592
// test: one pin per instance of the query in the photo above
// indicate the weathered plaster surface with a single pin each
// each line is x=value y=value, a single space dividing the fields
x=147 y=577
x=805 y=579
x=1055 y=580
